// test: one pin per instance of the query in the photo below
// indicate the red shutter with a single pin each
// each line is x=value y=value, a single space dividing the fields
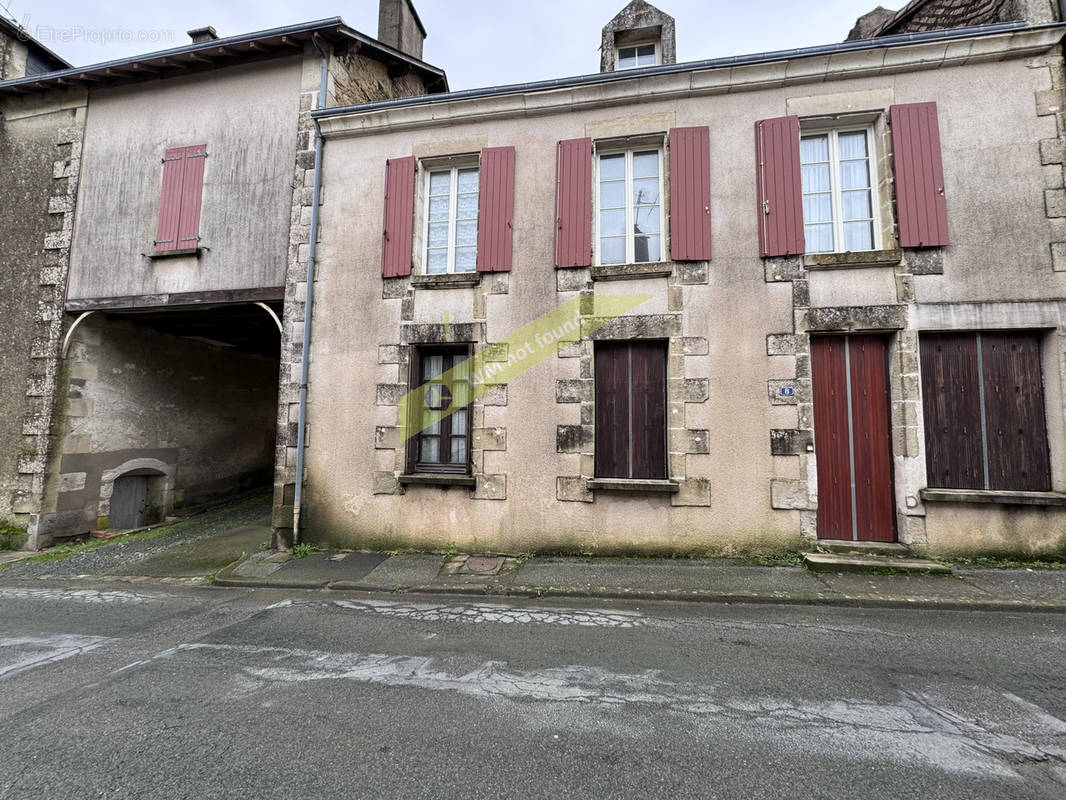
x=920 y=204
x=573 y=203
x=495 y=216
x=181 y=198
x=690 y=194
x=192 y=193
x=779 y=187
x=398 y=236
x=166 y=237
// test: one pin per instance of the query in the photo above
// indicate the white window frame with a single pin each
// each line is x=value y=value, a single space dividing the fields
x=452 y=165
x=656 y=145
x=836 y=197
x=634 y=46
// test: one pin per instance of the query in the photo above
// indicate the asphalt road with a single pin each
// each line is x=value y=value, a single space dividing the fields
x=169 y=691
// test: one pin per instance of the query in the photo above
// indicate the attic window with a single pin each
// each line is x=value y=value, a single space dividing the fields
x=639 y=55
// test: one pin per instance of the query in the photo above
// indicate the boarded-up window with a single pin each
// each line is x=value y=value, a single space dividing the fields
x=180 y=198
x=631 y=410
x=983 y=397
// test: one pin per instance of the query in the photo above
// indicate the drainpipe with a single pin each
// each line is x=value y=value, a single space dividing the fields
x=309 y=296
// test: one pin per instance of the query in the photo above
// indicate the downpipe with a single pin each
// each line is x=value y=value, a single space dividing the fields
x=309 y=296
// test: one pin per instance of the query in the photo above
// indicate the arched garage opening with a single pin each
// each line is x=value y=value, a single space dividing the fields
x=167 y=409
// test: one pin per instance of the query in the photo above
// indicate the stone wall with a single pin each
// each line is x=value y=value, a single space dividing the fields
x=40 y=147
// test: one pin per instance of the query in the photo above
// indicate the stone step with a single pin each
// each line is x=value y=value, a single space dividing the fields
x=865 y=548
x=849 y=562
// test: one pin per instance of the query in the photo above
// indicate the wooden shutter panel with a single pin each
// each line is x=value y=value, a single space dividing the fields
x=779 y=186
x=648 y=377
x=192 y=192
x=631 y=410
x=951 y=403
x=921 y=208
x=495 y=218
x=398 y=235
x=573 y=203
x=166 y=237
x=612 y=410
x=690 y=194
x=1018 y=455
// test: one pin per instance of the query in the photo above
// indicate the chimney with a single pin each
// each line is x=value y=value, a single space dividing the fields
x=205 y=34
x=399 y=27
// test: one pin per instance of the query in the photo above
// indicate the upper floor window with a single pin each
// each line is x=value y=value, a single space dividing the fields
x=629 y=205
x=451 y=218
x=180 y=199
x=640 y=55
x=839 y=212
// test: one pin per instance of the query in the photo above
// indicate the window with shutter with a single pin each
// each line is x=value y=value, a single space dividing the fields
x=983 y=400
x=180 y=199
x=630 y=410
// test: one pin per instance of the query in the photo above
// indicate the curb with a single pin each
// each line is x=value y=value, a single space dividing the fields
x=675 y=595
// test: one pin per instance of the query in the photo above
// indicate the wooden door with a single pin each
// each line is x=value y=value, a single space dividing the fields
x=129 y=499
x=852 y=435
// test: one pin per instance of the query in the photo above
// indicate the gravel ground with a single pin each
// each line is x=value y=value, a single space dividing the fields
x=121 y=553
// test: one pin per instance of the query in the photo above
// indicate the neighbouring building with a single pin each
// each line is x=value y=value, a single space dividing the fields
x=157 y=258
x=851 y=267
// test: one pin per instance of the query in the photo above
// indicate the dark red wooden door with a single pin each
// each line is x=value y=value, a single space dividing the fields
x=852 y=434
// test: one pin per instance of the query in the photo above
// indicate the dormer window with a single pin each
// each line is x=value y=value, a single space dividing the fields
x=640 y=55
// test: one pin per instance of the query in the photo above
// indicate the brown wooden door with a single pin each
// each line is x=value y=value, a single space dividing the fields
x=852 y=434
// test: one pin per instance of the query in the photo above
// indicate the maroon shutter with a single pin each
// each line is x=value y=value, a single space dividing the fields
x=166 y=237
x=779 y=187
x=921 y=207
x=573 y=203
x=495 y=216
x=192 y=191
x=398 y=235
x=690 y=194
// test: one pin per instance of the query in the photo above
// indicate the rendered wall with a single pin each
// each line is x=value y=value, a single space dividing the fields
x=738 y=326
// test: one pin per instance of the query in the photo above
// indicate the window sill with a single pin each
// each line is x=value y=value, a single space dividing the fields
x=865 y=258
x=185 y=251
x=628 y=272
x=438 y=479
x=455 y=280
x=632 y=485
x=1002 y=497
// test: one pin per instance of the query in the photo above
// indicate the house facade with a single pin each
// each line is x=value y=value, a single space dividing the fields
x=739 y=305
x=164 y=316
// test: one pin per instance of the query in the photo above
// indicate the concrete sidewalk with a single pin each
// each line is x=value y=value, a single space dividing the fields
x=711 y=580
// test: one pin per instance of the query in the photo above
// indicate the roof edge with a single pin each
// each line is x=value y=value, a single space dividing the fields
x=336 y=24
x=23 y=35
x=856 y=45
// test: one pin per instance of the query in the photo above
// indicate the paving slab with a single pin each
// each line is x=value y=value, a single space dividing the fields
x=937 y=588
x=398 y=571
x=1044 y=585
x=721 y=576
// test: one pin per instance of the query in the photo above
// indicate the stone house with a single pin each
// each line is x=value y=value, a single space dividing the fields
x=157 y=255
x=820 y=295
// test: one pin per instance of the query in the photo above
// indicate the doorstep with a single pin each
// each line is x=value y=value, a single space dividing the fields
x=853 y=562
